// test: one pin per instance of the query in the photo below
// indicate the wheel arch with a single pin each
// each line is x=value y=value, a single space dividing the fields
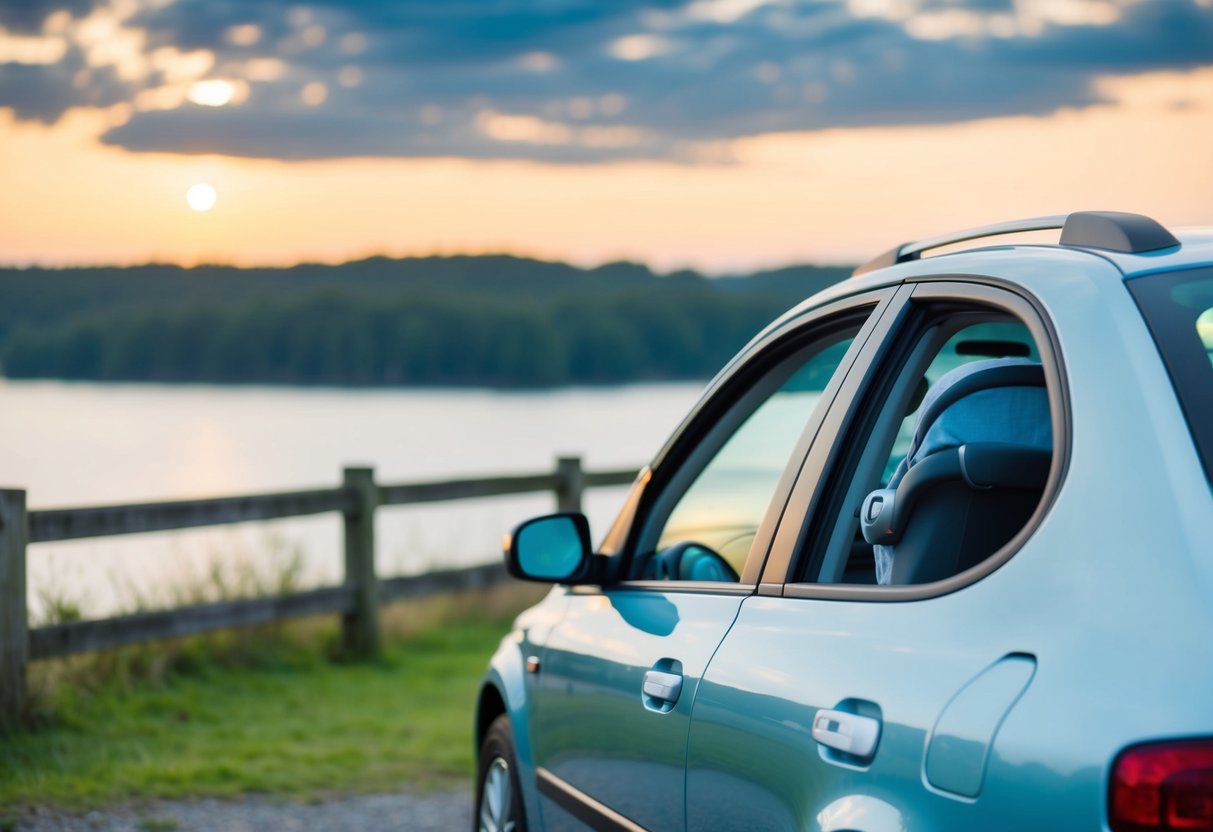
x=503 y=693
x=490 y=704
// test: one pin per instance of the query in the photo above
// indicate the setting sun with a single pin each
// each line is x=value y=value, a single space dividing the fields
x=211 y=93
x=201 y=197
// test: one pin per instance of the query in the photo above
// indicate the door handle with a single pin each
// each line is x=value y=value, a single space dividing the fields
x=845 y=732
x=662 y=686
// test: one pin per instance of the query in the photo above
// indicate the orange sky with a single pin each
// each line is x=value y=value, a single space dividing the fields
x=832 y=196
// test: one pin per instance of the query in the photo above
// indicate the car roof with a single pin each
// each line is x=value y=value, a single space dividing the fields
x=1134 y=243
x=1184 y=248
x=1195 y=249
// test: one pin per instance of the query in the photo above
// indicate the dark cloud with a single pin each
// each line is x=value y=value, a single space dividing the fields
x=448 y=32
x=1152 y=35
x=44 y=93
x=297 y=135
x=27 y=16
x=1004 y=6
x=546 y=79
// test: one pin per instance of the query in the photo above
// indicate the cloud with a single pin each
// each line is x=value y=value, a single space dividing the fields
x=1155 y=34
x=29 y=16
x=40 y=92
x=587 y=81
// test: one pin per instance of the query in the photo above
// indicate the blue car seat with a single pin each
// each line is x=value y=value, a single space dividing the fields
x=974 y=473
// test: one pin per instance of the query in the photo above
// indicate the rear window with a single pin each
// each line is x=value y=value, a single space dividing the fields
x=1179 y=310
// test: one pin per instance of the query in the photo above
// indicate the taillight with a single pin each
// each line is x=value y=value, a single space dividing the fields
x=1164 y=785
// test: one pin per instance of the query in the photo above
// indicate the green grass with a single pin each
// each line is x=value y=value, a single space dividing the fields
x=233 y=715
x=159 y=825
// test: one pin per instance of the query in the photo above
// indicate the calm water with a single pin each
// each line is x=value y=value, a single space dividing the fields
x=88 y=444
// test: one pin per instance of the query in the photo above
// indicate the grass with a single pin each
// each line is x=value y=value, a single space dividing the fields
x=275 y=711
x=159 y=825
x=227 y=573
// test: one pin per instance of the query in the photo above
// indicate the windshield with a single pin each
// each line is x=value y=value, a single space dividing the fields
x=1179 y=310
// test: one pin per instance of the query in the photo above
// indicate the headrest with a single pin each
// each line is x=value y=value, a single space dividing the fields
x=1001 y=400
x=968 y=379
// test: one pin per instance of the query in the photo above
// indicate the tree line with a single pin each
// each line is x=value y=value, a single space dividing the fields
x=493 y=320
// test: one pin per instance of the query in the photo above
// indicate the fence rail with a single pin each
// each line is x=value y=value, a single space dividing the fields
x=100 y=521
x=357 y=599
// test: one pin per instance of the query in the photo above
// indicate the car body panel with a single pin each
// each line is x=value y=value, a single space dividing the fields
x=960 y=742
x=787 y=657
x=593 y=727
x=507 y=682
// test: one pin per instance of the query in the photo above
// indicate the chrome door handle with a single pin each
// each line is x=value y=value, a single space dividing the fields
x=664 y=687
x=848 y=733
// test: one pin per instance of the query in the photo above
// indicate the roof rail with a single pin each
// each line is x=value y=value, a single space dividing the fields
x=1109 y=230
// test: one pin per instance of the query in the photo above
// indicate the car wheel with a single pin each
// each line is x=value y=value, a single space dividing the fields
x=498 y=797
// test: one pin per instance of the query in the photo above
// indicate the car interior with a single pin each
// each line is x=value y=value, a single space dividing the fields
x=968 y=464
x=974 y=473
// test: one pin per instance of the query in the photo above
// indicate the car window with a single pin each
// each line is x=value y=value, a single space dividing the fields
x=1178 y=307
x=946 y=459
x=703 y=530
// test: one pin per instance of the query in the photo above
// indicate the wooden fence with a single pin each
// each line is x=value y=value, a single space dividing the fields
x=357 y=599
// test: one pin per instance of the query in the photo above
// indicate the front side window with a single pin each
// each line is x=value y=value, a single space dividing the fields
x=1178 y=306
x=703 y=526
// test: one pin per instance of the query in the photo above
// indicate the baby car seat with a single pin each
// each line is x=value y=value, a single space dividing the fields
x=975 y=472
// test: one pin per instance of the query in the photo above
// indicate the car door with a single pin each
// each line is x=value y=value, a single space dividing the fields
x=838 y=705
x=618 y=674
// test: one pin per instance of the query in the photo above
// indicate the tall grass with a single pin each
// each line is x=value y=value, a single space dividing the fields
x=57 y=685
x=223 y=571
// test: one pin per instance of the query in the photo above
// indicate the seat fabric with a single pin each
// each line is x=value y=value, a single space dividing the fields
x=956 y=526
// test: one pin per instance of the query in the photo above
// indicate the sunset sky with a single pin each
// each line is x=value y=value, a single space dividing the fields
x=717 y=134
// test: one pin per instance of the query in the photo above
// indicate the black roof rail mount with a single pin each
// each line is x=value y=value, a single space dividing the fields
x=1108 y=230
x=1116 y=231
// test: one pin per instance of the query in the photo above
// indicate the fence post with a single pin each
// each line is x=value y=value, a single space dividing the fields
x=571 y=483
x=360 y=627
x=14 y=625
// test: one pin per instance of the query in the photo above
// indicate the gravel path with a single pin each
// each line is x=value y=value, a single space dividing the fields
x=438 y=811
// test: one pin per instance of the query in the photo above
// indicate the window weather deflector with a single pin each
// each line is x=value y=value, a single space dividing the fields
x=1108 y=230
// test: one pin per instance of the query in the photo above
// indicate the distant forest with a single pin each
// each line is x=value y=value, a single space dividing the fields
x=487 y=320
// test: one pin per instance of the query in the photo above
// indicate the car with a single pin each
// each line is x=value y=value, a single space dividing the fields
x=933 y=552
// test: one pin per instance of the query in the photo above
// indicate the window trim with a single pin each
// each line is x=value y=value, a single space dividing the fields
x=805 y=501
x=698 y=587
x=738 y=377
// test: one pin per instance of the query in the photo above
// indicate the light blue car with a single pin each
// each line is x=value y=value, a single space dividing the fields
x=934 y=552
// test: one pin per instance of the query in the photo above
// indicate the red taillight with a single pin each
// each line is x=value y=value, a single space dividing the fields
x=1165 y=785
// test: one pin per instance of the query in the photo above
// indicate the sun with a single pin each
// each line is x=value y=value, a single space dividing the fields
x=201 y=197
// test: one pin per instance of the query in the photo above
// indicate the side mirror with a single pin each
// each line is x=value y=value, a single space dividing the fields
x=554 y=548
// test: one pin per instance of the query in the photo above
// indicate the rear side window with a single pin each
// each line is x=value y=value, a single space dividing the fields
x=947 y=459
x=1178 y=307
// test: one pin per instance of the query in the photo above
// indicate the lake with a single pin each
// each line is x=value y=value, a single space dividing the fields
x=77 y=444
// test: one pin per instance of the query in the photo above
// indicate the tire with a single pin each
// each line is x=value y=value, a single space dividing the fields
x=498 y=795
